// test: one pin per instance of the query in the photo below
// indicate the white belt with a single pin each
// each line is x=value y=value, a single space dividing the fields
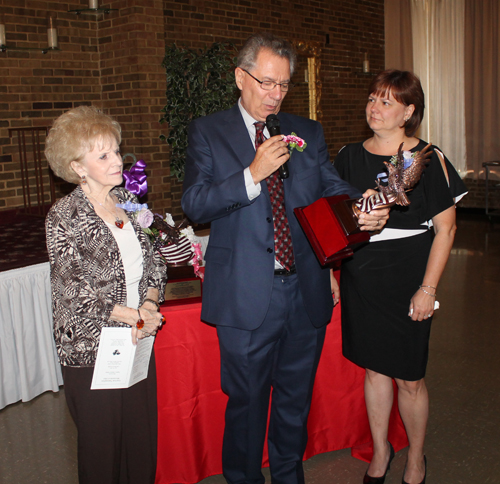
x=392 y=234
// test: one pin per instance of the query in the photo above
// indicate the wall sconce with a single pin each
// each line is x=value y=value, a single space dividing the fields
x=52 y=33
x=52 y=43
x=93 y=9
x=3 y=41
x=366 y=64
x=2 y=32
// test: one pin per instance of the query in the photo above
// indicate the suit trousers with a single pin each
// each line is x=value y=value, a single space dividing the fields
x=117 y=429
x=283 y=354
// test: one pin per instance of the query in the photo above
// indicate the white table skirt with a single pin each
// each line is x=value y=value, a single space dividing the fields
x=28 y=360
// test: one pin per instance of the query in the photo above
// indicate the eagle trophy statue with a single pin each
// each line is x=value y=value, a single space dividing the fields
x=331 y=223
x=404 y=173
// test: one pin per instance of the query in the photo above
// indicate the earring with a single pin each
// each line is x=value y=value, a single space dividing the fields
x=84 y=181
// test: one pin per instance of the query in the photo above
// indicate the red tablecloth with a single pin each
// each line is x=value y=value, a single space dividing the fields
x=191 y=404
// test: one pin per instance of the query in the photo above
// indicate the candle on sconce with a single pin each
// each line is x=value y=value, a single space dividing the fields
x=52 y=33
x=93 y=4
x=366 y=64
x=3 y=40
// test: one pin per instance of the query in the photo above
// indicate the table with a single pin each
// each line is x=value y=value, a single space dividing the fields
x=191 y=404
x=28 y=360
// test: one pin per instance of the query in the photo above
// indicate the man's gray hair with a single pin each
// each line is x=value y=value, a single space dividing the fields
x=264 y=40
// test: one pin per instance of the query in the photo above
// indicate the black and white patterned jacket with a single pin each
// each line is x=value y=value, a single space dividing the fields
x=87 y=275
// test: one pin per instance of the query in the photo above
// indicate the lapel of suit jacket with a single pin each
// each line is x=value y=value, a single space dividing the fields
x=241 y=143
x=286 y=129
x=238 y=136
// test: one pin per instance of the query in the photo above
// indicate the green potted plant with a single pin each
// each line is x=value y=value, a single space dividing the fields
x=199 y=82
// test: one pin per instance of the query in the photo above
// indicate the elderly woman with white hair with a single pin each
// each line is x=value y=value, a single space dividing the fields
x=104 y=272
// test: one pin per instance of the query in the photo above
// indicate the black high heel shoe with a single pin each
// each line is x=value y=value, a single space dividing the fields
x=425 y=473
x=380 y=480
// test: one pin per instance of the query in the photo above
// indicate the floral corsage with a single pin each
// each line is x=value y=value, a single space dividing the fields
x=294 y=142
x=407 y=159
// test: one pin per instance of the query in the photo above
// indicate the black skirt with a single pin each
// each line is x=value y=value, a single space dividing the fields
x=377 y=284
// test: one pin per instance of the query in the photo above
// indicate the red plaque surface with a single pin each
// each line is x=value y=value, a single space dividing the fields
x=331 y=227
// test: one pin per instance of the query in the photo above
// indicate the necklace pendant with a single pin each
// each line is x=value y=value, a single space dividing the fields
x=119 y=223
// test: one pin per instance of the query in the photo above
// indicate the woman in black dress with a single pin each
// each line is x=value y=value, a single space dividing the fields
x=389 y=286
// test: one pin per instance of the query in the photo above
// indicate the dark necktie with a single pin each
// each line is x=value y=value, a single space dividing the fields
x=282 y=239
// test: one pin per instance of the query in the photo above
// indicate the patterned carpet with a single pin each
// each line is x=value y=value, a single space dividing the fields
x=22 y=241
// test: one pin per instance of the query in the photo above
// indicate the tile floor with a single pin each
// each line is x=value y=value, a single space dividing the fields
x=38 y=438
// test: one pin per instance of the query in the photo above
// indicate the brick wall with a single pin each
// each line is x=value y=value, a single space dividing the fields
x=111 y=61
x=476 y=198
x=114 y=62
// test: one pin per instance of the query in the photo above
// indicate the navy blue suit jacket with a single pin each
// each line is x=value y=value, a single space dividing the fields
x=240 y=256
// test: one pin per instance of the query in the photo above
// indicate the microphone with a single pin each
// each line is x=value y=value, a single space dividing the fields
x=273 y=126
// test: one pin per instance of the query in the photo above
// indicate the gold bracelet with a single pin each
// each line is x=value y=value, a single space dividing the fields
x=432 y=287
x=153 y=302
x=423 y=290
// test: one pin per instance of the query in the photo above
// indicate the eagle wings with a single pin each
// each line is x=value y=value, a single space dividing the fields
x=401 y=179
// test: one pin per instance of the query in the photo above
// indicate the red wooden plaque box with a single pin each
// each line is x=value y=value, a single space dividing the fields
x=331 y=228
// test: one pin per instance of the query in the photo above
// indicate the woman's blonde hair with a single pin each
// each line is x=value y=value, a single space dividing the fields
x=73 y=135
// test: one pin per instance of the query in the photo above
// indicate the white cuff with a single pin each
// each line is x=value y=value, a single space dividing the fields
x=253 y=190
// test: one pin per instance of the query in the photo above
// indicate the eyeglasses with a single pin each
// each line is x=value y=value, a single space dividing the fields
x=270 y=85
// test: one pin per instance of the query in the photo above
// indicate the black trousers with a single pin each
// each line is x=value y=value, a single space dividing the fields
x=117 y=429
x=282 y=355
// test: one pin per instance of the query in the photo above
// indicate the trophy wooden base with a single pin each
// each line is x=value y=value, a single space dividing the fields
x=331 y=228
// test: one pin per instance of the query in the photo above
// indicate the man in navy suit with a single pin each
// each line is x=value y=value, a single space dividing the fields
x=271 y=316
